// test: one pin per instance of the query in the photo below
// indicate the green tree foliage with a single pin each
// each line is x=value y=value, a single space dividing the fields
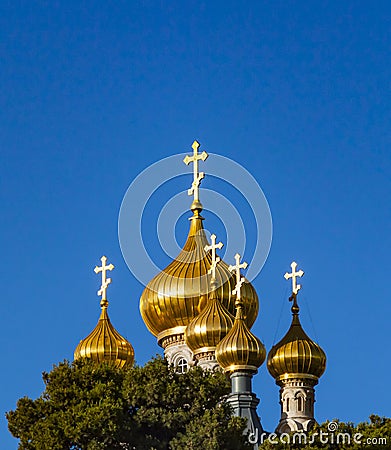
x=375 y=434
x=91 y=407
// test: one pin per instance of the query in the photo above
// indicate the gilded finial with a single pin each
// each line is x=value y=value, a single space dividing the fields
x=105 y=281
x=239 y=279
x=295 y=287
x=295 y=307
x=215 y=258
x=197 y=176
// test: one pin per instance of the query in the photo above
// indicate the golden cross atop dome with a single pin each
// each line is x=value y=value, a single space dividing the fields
x=239 y=279
x=105 y=281
x=295 y=287
x=215 y=258
x=197 y=176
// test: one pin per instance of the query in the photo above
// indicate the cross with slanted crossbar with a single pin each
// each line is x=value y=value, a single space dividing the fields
x=215 y=258
x=239 y=279
x=105 y=281
x=197 y=176
x=295 y=287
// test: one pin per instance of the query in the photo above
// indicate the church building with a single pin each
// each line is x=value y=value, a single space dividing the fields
x=200 y=310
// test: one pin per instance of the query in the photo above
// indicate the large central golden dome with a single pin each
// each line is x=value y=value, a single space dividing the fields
x=179 y=293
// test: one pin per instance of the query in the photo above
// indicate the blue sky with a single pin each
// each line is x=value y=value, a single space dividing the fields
x=298 y=93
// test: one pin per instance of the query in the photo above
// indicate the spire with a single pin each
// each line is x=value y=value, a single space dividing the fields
x=240 y=354
x=197 y=176
x=176 y=295
x=295 y=289
x=296 y=353
x=179 y=293
x=240 y=349
x=296 y=363
x=104 y=343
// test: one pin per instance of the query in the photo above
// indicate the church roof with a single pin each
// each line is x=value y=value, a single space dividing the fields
x=104 y=343
x=296 y=354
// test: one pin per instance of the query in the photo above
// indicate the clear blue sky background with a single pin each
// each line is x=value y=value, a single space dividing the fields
x=297 y=92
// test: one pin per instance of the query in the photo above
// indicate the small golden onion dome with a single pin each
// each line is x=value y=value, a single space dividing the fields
x=206 y=330
x=175 y=296
x=104 y=343
x=296 y=354
x=240 y=349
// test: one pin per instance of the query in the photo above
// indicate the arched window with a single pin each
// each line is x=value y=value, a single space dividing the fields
x=300 y=403
x=181 y=365
x=287 y=404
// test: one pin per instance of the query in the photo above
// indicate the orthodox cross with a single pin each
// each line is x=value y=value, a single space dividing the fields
x=105 y=281
x=215 y=258
x=295 y=287
x=239 y=279
x=197 y=176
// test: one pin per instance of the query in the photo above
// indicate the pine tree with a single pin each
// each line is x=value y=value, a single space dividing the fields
x=93 y=406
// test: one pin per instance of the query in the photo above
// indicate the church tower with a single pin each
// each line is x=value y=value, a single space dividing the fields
x=104 y=343
x=240 y=354
x=296 y=363
x=179 y=294
x=201 y=311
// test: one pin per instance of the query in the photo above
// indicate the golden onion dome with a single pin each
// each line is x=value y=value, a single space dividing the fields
x=104 y=343
x=178 y=294
x=206 y=330
x=296 y=354
x=240 y=349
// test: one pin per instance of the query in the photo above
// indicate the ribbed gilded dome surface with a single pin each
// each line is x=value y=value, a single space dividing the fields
x=296 y=353
x=206 y=330
x=240 y=349
x=175 y=296
x=104 y=343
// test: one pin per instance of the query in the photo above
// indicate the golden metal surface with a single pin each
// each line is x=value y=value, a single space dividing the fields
x=240 y=349
x=295 y=287
x=197 y=176
x=105 y=281
x=239 y=279
x=296 y=353
x=104 y=343
x=178 y=294
x=170 y=333
x=210 y=326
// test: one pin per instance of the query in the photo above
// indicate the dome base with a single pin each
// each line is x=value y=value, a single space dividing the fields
x=206 y=359
x=241 y=368
x=290 y=377
x=172 y=336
